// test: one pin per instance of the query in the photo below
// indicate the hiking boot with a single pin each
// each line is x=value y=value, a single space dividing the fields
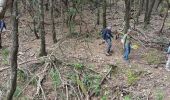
x=108 y=54
x=111 y=52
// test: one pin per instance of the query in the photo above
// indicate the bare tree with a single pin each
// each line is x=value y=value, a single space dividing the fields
x=98 y=12
x=149 y=6
x=14 y=51
x=41 y=29
x=104 y=13
x=127 y=15
x=165 y=17
x=52 y=21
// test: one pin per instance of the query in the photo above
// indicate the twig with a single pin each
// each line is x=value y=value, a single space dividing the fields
x=101 y=82
x=67 y=92
x=74 y=90
x=27 y=85
x=2 y=69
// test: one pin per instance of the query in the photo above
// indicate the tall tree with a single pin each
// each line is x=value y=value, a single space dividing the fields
x=41 y=29
x=140 y=9
x=98 y=12
x=150 y=4
x=52 y=21
x=165 y=17
x=127 y=15
x=104 y=13
x=14 y=51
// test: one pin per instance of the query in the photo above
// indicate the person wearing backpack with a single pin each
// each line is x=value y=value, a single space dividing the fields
x=2 y=25
x=167 y=67
x=107 y=35
x=126 y=45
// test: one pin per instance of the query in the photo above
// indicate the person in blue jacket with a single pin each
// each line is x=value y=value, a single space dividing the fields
x=107 y=35
x=2 y=25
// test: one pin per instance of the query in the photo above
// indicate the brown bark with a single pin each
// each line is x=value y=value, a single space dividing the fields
x=141 y=2
x=127 y=15
x=104 y=13
x=52 y=21
x=41 y=29
x=0 y=41
x=165 y=17
x=14 y=52
x=148 y=12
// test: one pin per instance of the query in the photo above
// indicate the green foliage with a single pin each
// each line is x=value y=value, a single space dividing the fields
x=131 y=77
x=82 y=86
x=93 y=83
x=153 y=57
x=127 y=97
x=5 y=53
x=17 y=92
x=54 y=74
x=72 y=77
x=104 y=97
x=78 y=65
x=21 y=75
x=34 y=81
x=159 y=95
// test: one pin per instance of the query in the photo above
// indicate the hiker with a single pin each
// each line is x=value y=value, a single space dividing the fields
x=106 y=35
x=126 y=45
x=2 y=25
x=167 y=67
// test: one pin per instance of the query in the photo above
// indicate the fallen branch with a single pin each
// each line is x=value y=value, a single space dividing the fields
x=102 y=81
x=5 y=68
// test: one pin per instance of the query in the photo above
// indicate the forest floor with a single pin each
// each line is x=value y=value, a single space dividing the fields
x=143 y=78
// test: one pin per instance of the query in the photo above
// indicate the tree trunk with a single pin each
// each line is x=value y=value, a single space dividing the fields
x=98 y=12
x=41 y=29
x=52 y=21
x=35 y=30
x=0 y=41
x=32 y=14
x=141 y=2
x=157 y=3
x=127 y=15
x=165 y=17
x=14 y=51
x=146 y=9
x=104 y=13
x=47 y=5
x=148 y=12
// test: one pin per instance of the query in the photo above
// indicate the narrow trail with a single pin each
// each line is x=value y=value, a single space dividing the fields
x=91 y=52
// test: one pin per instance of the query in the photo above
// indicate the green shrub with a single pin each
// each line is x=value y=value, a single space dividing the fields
x=54 y=74
x=5 y=54
x=159 y=95
x=17 y=92
x=127 y=97
x=131 y=77
x=78 y=65
x=21 y=75
x=153 y=57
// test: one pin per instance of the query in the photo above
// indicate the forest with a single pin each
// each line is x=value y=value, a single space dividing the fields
x=84 y=50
